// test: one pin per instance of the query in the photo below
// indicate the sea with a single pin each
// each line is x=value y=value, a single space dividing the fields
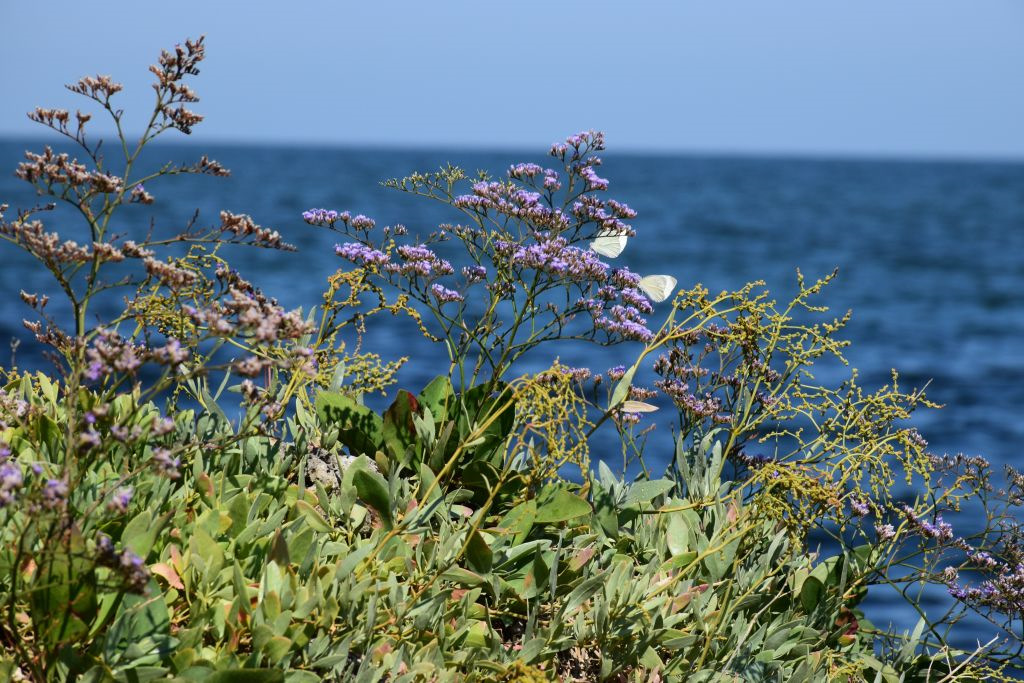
x=930 y=257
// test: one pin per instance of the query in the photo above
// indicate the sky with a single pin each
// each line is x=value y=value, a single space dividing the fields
x=903 y=78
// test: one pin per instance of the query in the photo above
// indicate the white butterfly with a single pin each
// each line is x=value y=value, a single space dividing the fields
x=609 y=244
x=658 y=287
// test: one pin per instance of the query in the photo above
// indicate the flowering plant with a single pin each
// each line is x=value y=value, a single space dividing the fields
x=152 y=531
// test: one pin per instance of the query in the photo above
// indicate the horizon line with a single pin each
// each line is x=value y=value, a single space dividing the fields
x=625 y=151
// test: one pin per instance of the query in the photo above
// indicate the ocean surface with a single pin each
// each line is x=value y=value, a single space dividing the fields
x=930 y=256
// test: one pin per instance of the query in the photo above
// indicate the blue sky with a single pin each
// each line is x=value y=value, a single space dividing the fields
x=872 y=77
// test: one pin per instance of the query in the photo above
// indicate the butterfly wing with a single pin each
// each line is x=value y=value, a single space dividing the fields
x=637 y=407
x=658 y=287
x=609 y=245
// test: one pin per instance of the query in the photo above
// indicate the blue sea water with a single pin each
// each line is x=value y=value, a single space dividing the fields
x=930 y=256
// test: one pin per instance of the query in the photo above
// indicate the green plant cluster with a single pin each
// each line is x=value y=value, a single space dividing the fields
x=239 y=514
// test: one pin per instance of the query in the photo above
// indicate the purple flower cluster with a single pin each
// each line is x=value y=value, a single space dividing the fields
x=554 y=255
x=120 y=500
x=109 y=353
x=420 y=261
x=594 y=182
x=164 y=464
x=525 y=170
x=752 y=461
x=625 y=321
x=509 y=200
x=1003 y=594
x=131 y=567
x=938 y=530
x=323 y=217
x=706 y=407
x=529 y=171
x=54 y=494
x=254 y=313
x=474 y=273
x=551 y=182
x=859 y=507
x=10 y=482
x=360 y=254
x=607 y=214
x=578 y=145
x=444 y=295
x=552 y=376
x=616 y=373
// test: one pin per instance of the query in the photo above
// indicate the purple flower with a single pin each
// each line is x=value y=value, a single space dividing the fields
x=361 y=222
x=320 y=217
x=524 y=171
x=422 y=261
x=95 y=371
x=162 y=426
x=859 y=507
x=983 y=559
x=938 y=530
x=55 y=493
x=10 y=481
x=551 y=180
x=131 y=567
x=120 y=500
x=90 y=438
x=625 y=321
x=445 y=295
x=616 y=373
x=594 y=182
x=361 y=254
x=164 y=464
x=554 y=256
x=474 y=273
x=885 y=532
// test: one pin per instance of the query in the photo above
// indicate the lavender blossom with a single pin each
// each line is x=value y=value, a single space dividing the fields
x=120 y=500
x=859 y=507
x=10 y=481
x=54 y=494
x=361 y=254
x=474 y=273
x=445 y=295
x=165 y=465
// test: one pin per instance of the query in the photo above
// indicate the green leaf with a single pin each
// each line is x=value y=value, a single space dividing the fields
x=644 y=491
x=479 y=554
x=519 y=520
x=208 y=549
x=561 y=506
x=677 y=534
x=583 y=592
x=360 y=427
x=438 y=397
x=140 y=634
x=373 y=490
x=140 y=533
x=64 y=601
x=532 y=649
x=810 y=593
x=398 y=428
x=313 y=518
x=277 y=648
x=278 y=551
